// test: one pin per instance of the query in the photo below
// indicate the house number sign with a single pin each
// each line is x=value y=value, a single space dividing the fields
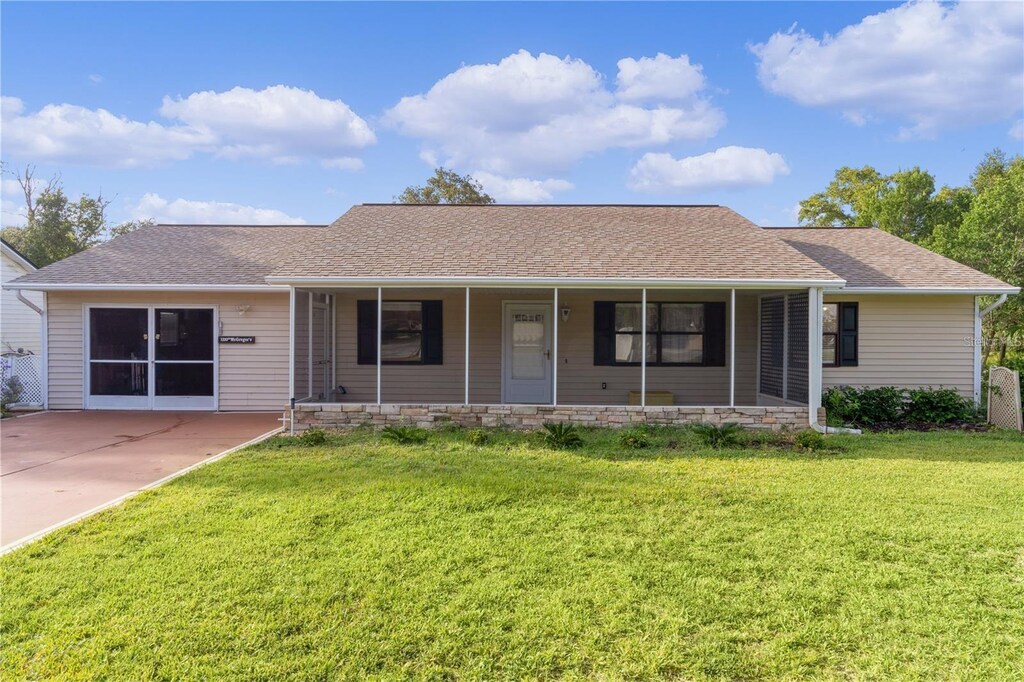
x=236 y=339
x=529 y=317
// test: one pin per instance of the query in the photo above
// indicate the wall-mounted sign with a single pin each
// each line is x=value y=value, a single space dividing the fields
x=236 y=339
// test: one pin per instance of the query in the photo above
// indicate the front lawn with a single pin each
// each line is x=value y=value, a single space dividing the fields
x=900 y=556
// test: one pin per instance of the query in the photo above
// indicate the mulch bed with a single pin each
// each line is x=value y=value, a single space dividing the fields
x=960 y=425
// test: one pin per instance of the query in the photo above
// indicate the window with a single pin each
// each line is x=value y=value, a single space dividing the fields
x=678 y=334
x=839 y=335
x=410 y=333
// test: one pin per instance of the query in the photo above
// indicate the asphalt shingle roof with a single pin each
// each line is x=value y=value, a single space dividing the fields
x=495 y=241
x=869 y=257
x=182 y=254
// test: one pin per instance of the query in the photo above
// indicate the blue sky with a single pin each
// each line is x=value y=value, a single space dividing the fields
x=293 y=112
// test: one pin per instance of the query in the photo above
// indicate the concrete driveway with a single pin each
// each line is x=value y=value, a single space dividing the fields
x=55 y=466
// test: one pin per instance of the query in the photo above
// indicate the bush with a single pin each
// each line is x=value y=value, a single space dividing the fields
x=10 y=392
x=562 y=436
x=313 y=437
x=939 y=406
x=634 y=439
x=479 y=437
x=726 y=435
x=810 y=440
x=404 y=435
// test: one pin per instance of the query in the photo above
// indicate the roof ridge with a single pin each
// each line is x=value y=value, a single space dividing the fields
x=237 y=225
x=372 y=203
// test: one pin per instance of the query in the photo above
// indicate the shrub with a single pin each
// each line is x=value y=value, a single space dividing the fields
x=939 y=406
x=10 y=392
x=634 y=439
x=404 y=435
x=726 y=435
x=313 y=437
x=562 y=436
x=479 y=437
x=810 y=440
x=842 y=405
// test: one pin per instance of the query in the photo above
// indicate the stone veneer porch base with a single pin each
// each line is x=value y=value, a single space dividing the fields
x=343 y=415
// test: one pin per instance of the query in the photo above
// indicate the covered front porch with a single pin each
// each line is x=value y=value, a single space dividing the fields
x=519 y=356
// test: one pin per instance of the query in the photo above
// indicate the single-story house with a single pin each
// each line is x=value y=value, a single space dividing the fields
x=506 y=314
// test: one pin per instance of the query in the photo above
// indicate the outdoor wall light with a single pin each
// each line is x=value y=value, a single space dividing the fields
x=565 y=313
x=242 y=309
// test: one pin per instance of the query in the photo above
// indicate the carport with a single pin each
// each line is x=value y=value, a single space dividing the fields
x=56 y=466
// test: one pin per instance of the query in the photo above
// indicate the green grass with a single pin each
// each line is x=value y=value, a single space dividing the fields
x=898 y=556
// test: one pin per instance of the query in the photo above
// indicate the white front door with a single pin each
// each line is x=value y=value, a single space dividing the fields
x=526 y=353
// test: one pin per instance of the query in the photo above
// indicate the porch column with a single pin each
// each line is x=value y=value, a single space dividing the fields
x=466 y=400
x=554 y=353
x=380 y=317
x=814 y=325
x=309 y=343
x=291 y=343
x=643 y=348
x=732 y=348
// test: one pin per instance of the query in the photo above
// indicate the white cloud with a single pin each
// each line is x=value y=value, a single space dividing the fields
x=725 y=168
x=529 y=114
x=658 y=78
x=283 y=124
x=95 y=78
x=930 y=65
x=520 y=190
x=345 y=163
x=279 y=122
x=186 y=211
x=1017 y=131
x=69 y=133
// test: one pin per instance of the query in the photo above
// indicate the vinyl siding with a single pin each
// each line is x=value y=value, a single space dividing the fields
x=911 y=341
x=579 y=380
x=19 y=324
x=251 y=377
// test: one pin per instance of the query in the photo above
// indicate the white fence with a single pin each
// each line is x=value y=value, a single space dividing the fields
x=29 y=371
x=1004 y=398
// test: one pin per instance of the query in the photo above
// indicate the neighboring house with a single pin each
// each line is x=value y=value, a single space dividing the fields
x=20 y=325
x=511 y=314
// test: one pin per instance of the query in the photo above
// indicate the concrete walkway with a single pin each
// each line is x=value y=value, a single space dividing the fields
x=57 y=465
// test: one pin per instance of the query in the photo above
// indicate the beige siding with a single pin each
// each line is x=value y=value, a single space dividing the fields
x=913 y=340
x=579 y=381
x=251 y=377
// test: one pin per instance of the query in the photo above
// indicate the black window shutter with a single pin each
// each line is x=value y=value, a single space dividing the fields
x=604 y=332
x=433 y=333
x=848 y=324
x=714 y=334
x=366 y=324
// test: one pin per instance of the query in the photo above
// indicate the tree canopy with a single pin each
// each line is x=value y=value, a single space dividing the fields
x=445 y=187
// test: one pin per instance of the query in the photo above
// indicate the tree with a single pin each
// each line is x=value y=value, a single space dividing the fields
x=445 y=187
x=990 y=238
x=57 y=227
x=903 y=203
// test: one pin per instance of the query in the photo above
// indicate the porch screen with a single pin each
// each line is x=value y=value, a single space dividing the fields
x=773 y=345
x=796 y=348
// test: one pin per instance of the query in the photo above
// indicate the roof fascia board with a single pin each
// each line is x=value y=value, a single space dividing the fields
x=241 y=288
x=969 y=291
x=544 y=282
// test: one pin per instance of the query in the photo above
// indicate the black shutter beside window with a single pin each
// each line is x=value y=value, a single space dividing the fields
x=433 y=353
x=714 y=334
x=848 y=323
x=366 y=324
x=604 y=332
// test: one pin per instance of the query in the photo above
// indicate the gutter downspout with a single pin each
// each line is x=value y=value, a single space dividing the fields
x=21 y=297
x=985 y=311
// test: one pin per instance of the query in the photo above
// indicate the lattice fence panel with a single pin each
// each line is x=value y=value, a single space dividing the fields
x=1004 y=398
x=29 y=370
